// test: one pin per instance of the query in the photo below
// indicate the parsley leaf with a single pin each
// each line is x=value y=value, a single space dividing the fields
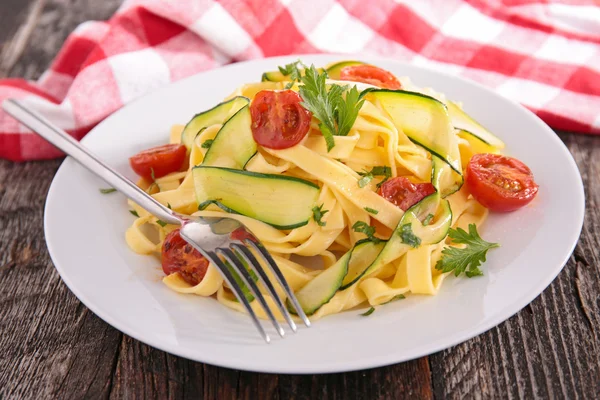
x=368 y=312
x=346 y=109
x=368 y=230
x=371 y=210
x=318 y=214
x=134 y=213
x=427 y=219
x=467 y=259
x=408 y=237
x=207 y=143
x=293 y=71
x=367 y=176
x=169 y=206
x=107 y=190
x=335 y=112
x=161 y=223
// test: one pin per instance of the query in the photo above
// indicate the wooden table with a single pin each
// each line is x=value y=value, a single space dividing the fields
x=52 y=346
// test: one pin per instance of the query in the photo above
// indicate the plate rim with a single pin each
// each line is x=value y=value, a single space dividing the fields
x=372 y=362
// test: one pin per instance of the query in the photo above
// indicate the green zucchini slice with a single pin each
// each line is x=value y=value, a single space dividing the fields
x=334 y=70
x=463 y=121
x=423 y=119
x=445 y=180
x=323 y=287
x=363 y=255
x=234 y=144
x=430 y=234
x=281 y=201
x=274 y=76
x=216 y=115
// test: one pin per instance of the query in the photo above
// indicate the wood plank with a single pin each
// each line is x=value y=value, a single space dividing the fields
x=51 y=345
x=549 y=349
x=144 y=372
x=17 y=22
x=48 y=24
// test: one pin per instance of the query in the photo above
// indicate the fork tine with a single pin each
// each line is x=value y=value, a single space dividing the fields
x=280 y=278
x=247 y=255
x=243 y=273
x=237 y=291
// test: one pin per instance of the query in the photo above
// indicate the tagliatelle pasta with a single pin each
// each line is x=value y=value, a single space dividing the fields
x=382 y=251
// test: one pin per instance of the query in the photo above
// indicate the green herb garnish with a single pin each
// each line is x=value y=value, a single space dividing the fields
x=161 y=223
x=368 y=312
x=169 y=206
x=408 y=237
x=397 y=297
x=134 y=213
x=318 y=214
x=467 y=259
x=207 y=143
x=335 y=111
x=367 y=176
x=293 y=71
x=107 y=190
x=371 y=210
x=368 y=230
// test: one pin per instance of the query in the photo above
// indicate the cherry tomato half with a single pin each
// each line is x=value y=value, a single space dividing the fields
x=404 y=193
x=278 y=119
x=179 y=256
x=500 y=183
x=371 y=75
x=161 y=159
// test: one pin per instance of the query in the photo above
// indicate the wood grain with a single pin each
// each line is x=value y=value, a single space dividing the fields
x=51 y=346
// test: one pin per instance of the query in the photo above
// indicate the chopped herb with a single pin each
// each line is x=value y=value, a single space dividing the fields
x=161 y=223
x=408 y=237
x=467 y=259
x=397 y=297
x=107 y=190
x=207 y=143
x=292 y=70
x=318 y=214
x=169 y=206
x=152 y=174
x=427 y=219
x=368 y=312
x=367 y=176
x=368 y=230
x=371 y=210
x=152 y=186
x=335 y=111
x=134 y=213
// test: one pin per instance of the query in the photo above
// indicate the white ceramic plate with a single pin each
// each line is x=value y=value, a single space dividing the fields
x=85 y=235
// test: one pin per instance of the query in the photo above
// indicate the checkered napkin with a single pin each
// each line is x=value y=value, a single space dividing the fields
x=542 y=53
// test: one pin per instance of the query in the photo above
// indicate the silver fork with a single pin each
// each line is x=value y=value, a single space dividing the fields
x=226 y=242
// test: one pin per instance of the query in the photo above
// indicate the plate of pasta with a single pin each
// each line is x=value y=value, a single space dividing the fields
x=409 y=210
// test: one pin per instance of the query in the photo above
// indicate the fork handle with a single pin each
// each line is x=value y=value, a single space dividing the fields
x=83 y=156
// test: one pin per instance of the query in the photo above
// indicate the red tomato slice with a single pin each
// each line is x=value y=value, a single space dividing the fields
x=179 y=256
x=404 y=193
x=500 y=183
x=161 y=160
x=371 y=75
x=242 y=234
x=278 y=119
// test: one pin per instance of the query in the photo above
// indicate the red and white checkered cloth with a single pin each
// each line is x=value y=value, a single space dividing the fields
x=542 y=53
